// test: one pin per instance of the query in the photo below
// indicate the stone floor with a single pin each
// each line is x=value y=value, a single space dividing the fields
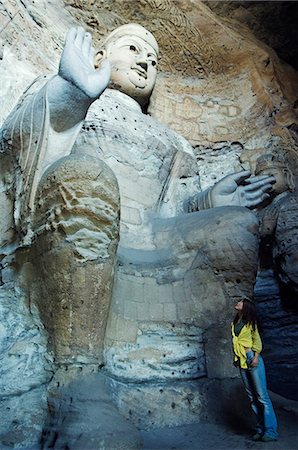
x=84 y=418
x=228 y=435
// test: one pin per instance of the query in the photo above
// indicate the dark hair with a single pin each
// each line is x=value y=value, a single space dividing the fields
x=248 y=314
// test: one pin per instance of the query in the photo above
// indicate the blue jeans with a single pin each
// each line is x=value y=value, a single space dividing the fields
x=254 y=380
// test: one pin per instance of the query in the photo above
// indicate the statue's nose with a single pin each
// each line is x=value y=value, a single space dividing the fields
x=144 y=65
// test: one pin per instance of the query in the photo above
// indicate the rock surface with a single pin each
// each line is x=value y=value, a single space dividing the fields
x=234 y=432
x=26 y=369
x=279 y=330
x=83 y=417
x=273 y=23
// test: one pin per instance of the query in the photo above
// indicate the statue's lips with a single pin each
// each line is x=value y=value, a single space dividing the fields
x=140 y=72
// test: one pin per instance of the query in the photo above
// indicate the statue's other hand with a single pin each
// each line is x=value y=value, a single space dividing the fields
x=77 y=64
x=241 y=189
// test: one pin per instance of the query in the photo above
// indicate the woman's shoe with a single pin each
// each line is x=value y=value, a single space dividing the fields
x=257 y=437
x=267 y=438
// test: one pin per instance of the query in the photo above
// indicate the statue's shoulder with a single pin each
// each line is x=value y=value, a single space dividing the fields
x=175 y=139
x=37 y=84
x=35 y=87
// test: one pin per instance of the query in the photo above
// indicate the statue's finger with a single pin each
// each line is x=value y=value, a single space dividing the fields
x=239 y=177
x=80 y=37
x=91 y=55
x=71 y=36
x=257 y=178
x=86 y=44
x=252 y=203
x=100 y=78
x=104 y=72
x=265 y=185
x=257 y=194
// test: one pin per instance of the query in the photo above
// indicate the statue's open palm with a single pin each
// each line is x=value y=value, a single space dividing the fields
x=240 y=189
x=77 y=64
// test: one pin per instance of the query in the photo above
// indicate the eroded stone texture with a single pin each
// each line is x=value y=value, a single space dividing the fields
x=32 y=36
x=26 y=370
x=82 y=416
x=153 y=405
x=160 y=351
x=278 y=222
x=156 y=404
x=69 y=215
x=76 y=236
x=273 y=23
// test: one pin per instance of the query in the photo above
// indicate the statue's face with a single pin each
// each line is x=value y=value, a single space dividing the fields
x=281 y=179
x=134 y=66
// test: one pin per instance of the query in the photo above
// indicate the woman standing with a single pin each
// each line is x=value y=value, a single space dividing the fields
x=247 y=346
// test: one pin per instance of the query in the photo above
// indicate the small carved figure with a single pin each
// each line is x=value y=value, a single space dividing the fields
x=279 y=222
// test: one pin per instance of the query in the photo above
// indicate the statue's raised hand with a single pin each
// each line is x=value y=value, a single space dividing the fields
x=240 y=189
x=77 y=64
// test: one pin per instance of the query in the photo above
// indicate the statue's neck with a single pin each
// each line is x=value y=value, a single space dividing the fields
x=124 y=99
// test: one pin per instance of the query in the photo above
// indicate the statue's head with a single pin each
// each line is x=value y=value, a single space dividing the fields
x=133 y=52
x=276 y=165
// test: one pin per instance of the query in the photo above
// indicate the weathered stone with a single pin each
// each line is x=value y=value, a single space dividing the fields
x=23 y=417
x=157 y=405
x=84 y=417
x=80 y=199
x=25 y=371
x=279 y=332
x=279 y=225
x=161 y=351
x=272 y=23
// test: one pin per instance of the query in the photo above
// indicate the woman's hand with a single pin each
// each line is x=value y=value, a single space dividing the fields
x=255 y=360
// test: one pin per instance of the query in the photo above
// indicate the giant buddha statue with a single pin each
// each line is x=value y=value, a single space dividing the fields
x=78 y=149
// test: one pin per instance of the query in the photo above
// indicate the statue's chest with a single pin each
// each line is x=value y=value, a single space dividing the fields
x=137 y=148
x=144 y=155
x=133 y=140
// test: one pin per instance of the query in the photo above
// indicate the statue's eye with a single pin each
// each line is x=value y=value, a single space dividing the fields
x=132 y=48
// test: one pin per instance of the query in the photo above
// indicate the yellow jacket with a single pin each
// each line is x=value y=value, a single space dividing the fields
x=247 y=338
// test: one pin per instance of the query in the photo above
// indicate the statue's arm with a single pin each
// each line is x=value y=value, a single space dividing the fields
x=198 y=202
x=44 y=125
x=64 y=99
x=237 y=189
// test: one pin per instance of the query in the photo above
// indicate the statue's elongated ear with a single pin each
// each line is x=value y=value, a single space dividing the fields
x=100 y=55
